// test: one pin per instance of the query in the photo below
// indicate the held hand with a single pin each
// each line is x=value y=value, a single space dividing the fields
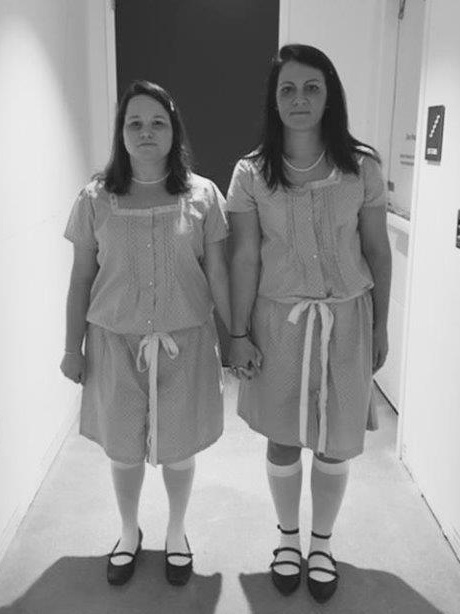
x=245 y=358
x=379 y=348
x=73 y=366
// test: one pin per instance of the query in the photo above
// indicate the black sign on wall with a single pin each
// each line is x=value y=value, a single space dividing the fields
x=434 y=130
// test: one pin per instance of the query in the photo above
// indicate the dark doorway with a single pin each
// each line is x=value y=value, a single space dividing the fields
x=213 y=56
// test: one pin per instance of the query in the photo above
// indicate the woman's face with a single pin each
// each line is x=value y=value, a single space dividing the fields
x=301 y=96
x=147 y=130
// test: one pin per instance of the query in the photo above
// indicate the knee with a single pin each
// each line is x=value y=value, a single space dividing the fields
x=325 y=459
x=331 y=466
x=188 y=463
x=279 y=454
x=119 y=465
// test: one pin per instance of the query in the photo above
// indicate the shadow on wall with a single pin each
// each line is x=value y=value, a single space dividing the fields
x=361 y=591
x=76 y=585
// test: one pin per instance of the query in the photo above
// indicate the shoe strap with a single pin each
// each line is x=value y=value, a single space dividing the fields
x=186 y=555
x=285 y=532
x=325 y=554
x=287 y=549
x=130 y=554
x=278 y=563
x=318 y=536
x=332 y=572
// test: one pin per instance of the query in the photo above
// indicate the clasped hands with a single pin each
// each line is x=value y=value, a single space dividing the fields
x=245 y=358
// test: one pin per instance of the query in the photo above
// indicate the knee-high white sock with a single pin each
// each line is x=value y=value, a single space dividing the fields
x=178 y=479
x=285 y=483
x=328 y=484
x=127 y=482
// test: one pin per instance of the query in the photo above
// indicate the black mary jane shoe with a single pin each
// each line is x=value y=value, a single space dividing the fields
x=286 y=584
x=178 y=575
x=120 y=574
x=322 y=591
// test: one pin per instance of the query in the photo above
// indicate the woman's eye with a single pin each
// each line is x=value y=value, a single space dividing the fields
x=312 y=88
x=134 y=124
x=286 y=89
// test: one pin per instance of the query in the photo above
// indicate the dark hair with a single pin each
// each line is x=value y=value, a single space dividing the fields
x=341 y=146
x=118 y=172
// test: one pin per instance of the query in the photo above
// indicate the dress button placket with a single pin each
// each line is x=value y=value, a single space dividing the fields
x=307 y=242
x=149 y=271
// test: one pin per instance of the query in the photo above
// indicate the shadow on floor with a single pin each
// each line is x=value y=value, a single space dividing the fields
x=361 y=591
x=78 y=585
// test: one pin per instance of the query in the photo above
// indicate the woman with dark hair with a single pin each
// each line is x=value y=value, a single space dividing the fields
x=149 y=265
x=310 y=279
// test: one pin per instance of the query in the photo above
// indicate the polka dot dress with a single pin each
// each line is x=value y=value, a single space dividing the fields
x=150 y=285
x=311 y=257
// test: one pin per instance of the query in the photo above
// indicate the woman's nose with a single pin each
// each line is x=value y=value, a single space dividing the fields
x=146 y=133
x=299 y=100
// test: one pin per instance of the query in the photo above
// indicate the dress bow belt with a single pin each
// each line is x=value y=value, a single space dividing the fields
x=312 y=307
x=148 y=351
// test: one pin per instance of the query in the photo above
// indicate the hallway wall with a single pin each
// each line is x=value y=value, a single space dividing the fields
x=55 y=133
x=431 y=383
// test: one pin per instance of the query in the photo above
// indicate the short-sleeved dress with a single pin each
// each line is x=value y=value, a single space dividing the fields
x=153 y=387
x=313 y=314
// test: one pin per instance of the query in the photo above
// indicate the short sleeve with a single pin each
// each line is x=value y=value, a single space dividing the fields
x=374 y=186
x=80 y=226
x=240 y=196
x=215 y=224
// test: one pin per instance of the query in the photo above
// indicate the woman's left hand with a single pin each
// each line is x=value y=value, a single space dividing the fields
x=379 y=347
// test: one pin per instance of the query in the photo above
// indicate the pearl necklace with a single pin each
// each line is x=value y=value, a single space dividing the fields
x=304 y=170
x=150 y=182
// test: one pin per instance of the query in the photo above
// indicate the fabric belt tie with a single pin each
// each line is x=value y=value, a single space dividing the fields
x=312 y=307
x=148 y=351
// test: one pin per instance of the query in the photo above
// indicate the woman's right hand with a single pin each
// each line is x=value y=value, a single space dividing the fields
x=244 y=357
x=73 y=366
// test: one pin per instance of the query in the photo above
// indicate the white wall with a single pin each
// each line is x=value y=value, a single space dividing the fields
x=431 y=382
x=55 y=87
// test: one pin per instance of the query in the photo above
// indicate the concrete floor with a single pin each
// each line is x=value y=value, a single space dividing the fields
x=392 y=555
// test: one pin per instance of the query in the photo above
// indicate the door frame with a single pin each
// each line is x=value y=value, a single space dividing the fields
x=111 y=56
x=419 y=151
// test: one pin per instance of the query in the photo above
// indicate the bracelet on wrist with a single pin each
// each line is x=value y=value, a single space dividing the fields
x=67 y=352
x=238 y=336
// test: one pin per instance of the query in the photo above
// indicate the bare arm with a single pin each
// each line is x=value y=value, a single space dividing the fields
x=244 y=280
x=84 y=270
x=215 y=268
x=244 y=268
x=376 y=250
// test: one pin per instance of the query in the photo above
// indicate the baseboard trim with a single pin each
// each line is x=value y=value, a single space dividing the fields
x=450 y=533
x=8 y=534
